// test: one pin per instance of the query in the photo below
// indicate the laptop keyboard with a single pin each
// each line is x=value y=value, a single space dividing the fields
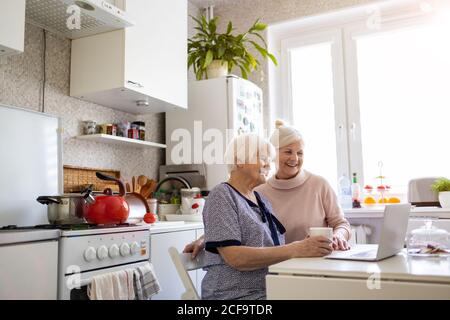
x=364 y=254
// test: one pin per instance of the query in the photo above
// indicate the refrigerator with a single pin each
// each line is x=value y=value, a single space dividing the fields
x=218 y=109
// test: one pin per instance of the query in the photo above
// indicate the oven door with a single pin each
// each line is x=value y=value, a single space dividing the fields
x=74 y=286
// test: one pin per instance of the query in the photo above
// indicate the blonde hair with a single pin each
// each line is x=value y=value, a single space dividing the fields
x=245 y=148
x=284 y=135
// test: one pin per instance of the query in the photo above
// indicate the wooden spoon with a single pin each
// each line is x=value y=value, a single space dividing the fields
x=133 y=184
x=128 y=187
x=145 y=190
x=141 y=180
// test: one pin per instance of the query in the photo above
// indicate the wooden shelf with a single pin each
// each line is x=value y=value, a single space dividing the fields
x=106 y=138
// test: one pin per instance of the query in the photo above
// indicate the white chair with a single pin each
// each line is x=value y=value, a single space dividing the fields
x=183 y=263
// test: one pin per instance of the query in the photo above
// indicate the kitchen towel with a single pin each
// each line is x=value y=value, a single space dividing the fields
x=113 y=286
x=145 y=282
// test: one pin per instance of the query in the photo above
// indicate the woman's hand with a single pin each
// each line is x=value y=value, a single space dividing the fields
x=195 y=247
x=340 y=243
x=317 y=246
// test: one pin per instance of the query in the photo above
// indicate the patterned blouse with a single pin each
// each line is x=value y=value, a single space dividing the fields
x=230 y=219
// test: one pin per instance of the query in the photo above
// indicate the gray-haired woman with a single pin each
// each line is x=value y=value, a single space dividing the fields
x=241 y=232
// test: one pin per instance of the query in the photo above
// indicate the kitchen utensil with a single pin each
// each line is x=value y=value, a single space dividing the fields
x=142 y=180
x=128 y=187
x=148 y=188
x=108 y=208
x=137 y=205
x=133 y=184
x=66 y=209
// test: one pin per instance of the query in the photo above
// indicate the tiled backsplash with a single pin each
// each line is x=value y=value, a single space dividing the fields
x=21 y=80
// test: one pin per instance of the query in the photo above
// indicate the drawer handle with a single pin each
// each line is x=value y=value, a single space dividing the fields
x=136 y=84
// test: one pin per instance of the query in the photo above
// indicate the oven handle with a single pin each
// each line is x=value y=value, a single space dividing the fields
x=78 y=280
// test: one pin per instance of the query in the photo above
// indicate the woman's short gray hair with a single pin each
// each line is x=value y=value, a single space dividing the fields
x=247 y=149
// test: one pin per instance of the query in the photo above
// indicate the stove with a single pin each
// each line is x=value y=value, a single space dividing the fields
x=88 y=250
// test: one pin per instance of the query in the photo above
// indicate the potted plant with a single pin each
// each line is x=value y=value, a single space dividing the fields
x=213 y=54
x=442 y=185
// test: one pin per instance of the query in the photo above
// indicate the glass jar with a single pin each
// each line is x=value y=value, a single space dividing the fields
x=140 y=125
x=122 y=128
x=89 y=127
x=111 y=129
x=133 y=132
x=428 y=241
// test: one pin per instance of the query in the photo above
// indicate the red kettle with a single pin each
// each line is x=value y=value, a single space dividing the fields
x=108 y=208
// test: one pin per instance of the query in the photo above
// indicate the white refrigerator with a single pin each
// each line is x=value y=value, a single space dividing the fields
x=227 y=105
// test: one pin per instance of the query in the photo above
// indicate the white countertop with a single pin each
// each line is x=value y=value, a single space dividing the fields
x=377 y=212
x=399 y=267
x=173 y=226
x=8 y=237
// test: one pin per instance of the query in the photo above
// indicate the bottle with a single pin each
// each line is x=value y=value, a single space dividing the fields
x=345 y=193
x=356 y=192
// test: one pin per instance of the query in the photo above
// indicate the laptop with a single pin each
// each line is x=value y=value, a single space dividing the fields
x=392 y=238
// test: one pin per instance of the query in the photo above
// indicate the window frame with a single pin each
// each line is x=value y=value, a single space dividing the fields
x=283 y=36
x=332 y=36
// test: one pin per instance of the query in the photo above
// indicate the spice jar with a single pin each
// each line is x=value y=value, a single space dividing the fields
x=111 y=129
x=103 y=128
x=133 y=132
x=140 y=125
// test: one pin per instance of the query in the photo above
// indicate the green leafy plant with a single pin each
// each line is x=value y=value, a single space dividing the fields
x=441 y=185
x=208 y=45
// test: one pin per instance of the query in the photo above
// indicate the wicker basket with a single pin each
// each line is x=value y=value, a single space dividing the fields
x=77 y=179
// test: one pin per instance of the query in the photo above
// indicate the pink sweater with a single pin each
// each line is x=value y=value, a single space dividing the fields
x=304 y=201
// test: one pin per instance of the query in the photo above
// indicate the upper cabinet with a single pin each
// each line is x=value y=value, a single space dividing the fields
x=140 y=69
x=12 y=26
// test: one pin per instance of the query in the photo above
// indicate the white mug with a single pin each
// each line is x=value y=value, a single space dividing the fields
x=321 y=231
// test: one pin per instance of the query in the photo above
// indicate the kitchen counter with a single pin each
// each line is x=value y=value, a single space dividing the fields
x=377 y=212
x=8 y=237
x=398 y=277
x=173 y=226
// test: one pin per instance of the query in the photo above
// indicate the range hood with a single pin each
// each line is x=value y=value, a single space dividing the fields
x=75 y=19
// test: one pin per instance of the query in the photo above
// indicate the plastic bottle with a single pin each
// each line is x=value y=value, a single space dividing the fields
x=345 y=193
x=356 y=192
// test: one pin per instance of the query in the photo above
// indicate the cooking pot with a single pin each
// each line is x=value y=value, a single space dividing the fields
x=108 y=208
x=68 y=208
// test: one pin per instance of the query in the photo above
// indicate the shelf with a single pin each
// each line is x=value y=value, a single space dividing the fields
x=106 y=138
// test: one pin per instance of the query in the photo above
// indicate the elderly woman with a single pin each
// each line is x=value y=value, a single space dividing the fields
x=300 y=199
x=241 y=232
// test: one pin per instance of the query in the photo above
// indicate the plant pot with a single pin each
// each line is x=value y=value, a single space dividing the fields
x=217 y=68
x=444 y=199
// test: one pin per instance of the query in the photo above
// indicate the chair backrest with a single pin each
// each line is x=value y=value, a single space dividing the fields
x=183 y=263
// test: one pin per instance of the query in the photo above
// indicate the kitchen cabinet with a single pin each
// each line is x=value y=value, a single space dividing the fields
x=12 y=26
x=140 y=69
x=28 y=271
x=171 y=286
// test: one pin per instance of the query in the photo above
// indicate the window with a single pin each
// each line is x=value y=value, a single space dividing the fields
x=365 y=95
x=313 y=107
x=404 y=103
